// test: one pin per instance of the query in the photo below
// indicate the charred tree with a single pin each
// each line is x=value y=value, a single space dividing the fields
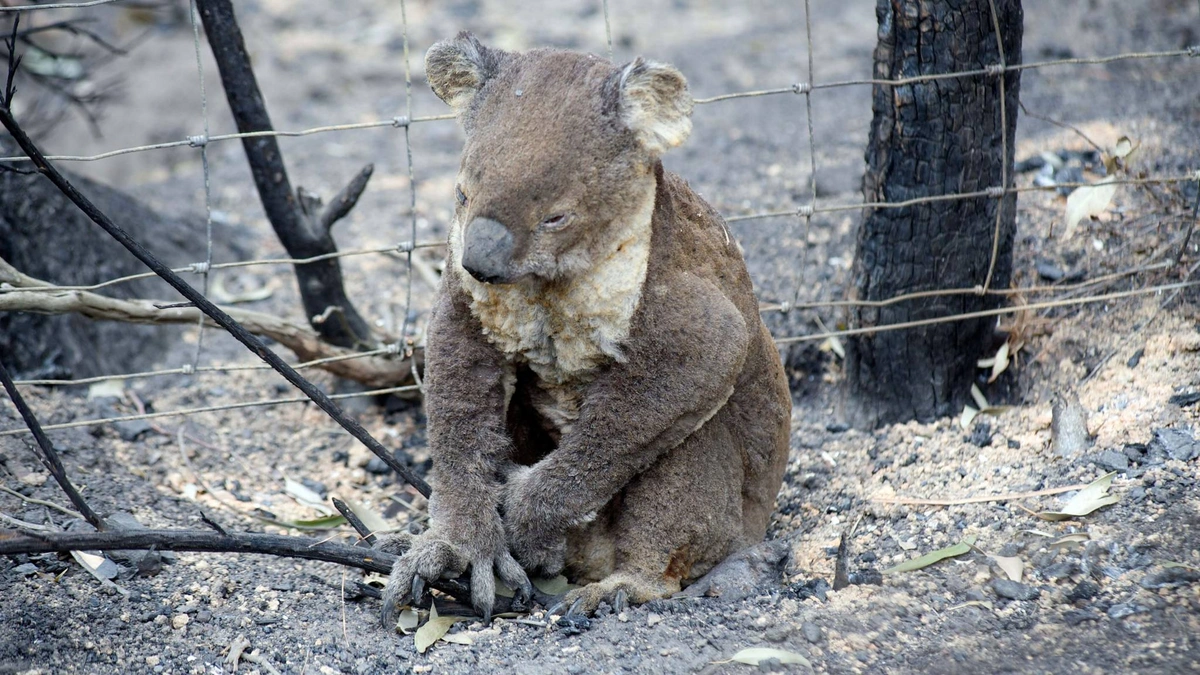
x=933 y=138
x=302 y=225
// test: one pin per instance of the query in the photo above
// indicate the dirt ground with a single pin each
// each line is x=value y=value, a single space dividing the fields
x=1120 y=596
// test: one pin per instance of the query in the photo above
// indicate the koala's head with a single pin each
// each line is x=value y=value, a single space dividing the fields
x=560 y=153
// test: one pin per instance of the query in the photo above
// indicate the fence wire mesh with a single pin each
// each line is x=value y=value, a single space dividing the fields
x=803 y=213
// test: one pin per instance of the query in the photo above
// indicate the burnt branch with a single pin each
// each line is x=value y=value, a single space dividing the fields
x=203 y=304
x=48 y=454
x=302 y=232
x=13 y=542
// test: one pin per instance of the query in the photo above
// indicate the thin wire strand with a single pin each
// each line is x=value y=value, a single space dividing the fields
x=193 y=12
x=394 y=122
x=58 y=5
x=920 y=79
x=400 y=248
x=607 y=29
x=412 y=181
x=812 y=158
x=204 y=409
x=1000 y=311
x=987 y=283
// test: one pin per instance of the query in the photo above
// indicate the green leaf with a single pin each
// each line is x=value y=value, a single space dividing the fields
x=932 y=557
x=322 y=523
x=755 y=655
x=1090 y=498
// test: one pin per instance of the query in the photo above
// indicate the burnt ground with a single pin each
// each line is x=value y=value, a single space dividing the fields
x=1107 y=604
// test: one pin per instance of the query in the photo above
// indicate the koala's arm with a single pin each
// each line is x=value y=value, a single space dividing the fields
x=678 y=372
x=465 y=405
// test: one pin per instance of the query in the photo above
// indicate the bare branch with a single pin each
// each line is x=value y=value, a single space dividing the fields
x=346 y=199
x=306 y=343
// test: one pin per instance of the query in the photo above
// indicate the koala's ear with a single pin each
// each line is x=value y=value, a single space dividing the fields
x=457 y=69
x=655 y=104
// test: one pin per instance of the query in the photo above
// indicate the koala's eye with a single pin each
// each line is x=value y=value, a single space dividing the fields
x=460 y=195
x=556 y=221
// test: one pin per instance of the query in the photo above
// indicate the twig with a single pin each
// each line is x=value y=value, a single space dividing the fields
x=48 y=455
x=355 y=522
x=978 y=500
x=41 y=502
x=219 y=316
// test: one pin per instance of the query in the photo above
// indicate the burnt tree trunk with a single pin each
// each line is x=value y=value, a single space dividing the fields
x=932 y=138
x=301 y=225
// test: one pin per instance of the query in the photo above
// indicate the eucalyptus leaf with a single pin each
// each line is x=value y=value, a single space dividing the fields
x=755 y=655
x=1087 y=500
x=932 y=557
x=1088 y=201
x=434 y=629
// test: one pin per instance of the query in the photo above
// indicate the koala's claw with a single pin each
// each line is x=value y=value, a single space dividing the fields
x=418 y=588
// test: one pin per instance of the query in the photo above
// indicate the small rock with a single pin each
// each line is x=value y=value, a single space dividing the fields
x=1014 y=444
x=811 y=631
x=653 y=619
x=1176 y=443
x=25 y=569
x=1112 y=460
x=203 y=616
x=1170 y=578
x=771 y=665
x=1068 y=426
x=316 y=486
x=981 y=435
x=1084 y=590
x=1185 y=399
x=1014 y=590
x=1124 y=609
x=179 y=621
x=153 y=661
x=377 y=466
x=837 y=427
x=1078 y=616
x=132 y=429
x=623 y=617
x=1136 y=358
x=1049 y=271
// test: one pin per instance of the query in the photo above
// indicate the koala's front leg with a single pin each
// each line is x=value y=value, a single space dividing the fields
x=682 y=363
x=465 y=407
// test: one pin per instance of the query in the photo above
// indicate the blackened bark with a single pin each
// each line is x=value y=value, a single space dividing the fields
x=303 y=231
x=927 y=139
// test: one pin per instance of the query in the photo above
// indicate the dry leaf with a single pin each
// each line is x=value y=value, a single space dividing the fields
x=407 y=621
x=998 y=363
x=458 y=639
x=932 y=557
x=556 y=586
x=756 y=655
x=980 y=399
x=434 y=629
x=1012 y=566
x=373 y=521
x=968 y=416
x=1123 y=147
x=1069 y=539
x=1090 y=498
x=306 y=496
x=1088 y=201
x=114 y=388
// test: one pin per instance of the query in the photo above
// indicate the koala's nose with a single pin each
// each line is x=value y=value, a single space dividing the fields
x=487 y=250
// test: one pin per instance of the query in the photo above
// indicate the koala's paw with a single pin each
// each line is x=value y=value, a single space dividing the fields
x=396 y=543
x=619 y=590
x=433 y=556
x=536 y=543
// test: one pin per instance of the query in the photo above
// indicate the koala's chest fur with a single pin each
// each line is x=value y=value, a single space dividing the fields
x=565 y=331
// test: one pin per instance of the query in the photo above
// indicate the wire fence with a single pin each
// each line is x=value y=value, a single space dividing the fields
x=803 y=214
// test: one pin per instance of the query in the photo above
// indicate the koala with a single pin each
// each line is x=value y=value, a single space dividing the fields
x=602 y=396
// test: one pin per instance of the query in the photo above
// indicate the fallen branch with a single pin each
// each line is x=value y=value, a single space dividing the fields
x=978 y=500
x=374 y=371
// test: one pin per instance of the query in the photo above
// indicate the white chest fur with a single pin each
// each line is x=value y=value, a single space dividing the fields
x=565 y=331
